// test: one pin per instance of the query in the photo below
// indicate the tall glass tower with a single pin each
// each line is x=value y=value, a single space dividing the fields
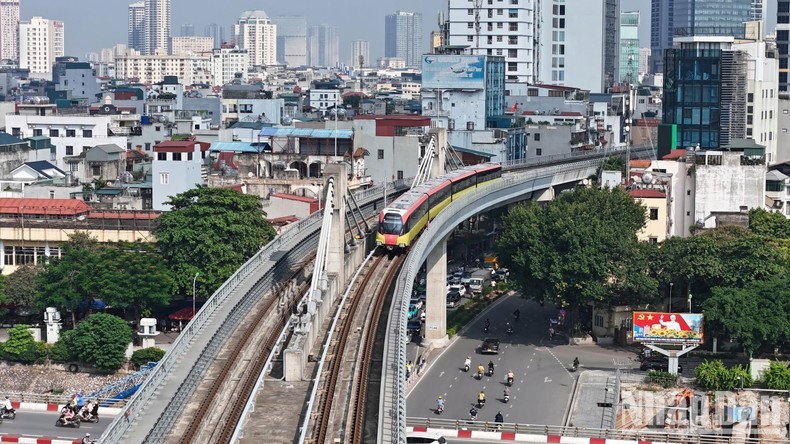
x=403 y=37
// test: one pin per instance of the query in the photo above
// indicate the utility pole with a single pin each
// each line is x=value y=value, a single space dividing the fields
x=478 y=5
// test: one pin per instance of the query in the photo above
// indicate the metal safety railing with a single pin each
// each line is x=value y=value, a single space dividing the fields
x=641 y=435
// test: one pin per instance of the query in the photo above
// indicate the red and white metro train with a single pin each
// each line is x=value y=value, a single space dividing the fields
x=402 y=221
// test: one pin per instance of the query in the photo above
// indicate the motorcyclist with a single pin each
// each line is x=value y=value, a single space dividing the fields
x=516 y=314
x=499 y=419
x=509 y=328
x=87 y=439
x=440 y=403
x=510 y=377
x=468 y=362
x=481 y=398
x=7 y=407
x=473 y=413
x=507 y=392
x=491 y=367
x=480 y=369
x=488 y=324
x=576 y=363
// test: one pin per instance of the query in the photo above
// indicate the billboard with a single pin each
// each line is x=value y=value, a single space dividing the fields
x=446 y=71
x=668 y=327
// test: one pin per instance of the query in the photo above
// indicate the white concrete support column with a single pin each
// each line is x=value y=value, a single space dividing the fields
x=436 y=298
x=337 y=238
x=672 y=355
x=440 y=143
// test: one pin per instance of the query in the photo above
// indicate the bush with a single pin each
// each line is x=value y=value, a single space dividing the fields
x=146 y=355
x=60 y=351
x=713 y=375
x=664 y=379
x=777 y=376
x=21 y=347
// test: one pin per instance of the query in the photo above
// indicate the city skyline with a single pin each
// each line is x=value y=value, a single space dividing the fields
x=81 y=36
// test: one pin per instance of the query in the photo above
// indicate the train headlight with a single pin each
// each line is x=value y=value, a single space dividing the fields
x=402 y=245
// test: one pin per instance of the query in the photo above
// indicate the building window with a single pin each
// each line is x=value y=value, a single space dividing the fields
x=177 y=157
x=598 y=320
x=537 y=137
x=470 y=12
x=750 y=97
x=654 y=214
x=157 y=128
x=470 y=38
x=69 y=150
x=71 y=133
x=164 y=178
x=51 y=194
x=161 y=156
x=54 y=133
x=538 y=151
x=653 y=239
x=381 y=154
x=513 y=53
x=87 y=133
x=17 y=132
x=37 y=132
x=96 y=170
x=74 y=167
x=148 y=146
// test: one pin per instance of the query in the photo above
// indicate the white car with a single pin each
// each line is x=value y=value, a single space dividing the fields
x=460 y=288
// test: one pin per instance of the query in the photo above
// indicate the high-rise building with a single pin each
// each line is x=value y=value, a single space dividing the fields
x=782 y=42
x=156 y=34
x=184 y=45
x=629 y=47
x=256 y=33
x=360 y=54
x=671 y=18
x=9 y=29
x=40 y=42
x=501 y=32
x=217 y=33
x=758 y=10
x=291 y=40
x=187 y=30
x=644 y=61
x=136 y=30
x=228 y=64
x=323 y=46
x=403 y=37
x=579 y=44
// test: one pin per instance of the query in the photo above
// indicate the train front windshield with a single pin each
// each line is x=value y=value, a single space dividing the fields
x=392 y=224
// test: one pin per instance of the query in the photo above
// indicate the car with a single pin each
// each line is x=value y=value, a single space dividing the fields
x=459 y=288
x=657 y=363
x=425 y=438
x=454 y=279
x=490 y=345
x=413 y=327
x=413 y=309
x=415 y=300
x=452 y=299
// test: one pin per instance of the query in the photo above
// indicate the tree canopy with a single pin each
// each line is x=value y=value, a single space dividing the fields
x=769 y=223
x=100 y=341
x=21 y=286
x=211 y=231
x=578 y=248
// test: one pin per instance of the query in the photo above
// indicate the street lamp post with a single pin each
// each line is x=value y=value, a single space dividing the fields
x=670 y=296
x=194 y=281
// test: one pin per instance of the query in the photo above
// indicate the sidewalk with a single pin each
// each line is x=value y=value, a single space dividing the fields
x=593 y=387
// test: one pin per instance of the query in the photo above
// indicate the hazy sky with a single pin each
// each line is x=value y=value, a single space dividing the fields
x=95 y=24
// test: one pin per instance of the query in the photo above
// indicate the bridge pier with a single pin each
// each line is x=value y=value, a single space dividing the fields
x=436 y=297
x=440 y=142
x=336 y=254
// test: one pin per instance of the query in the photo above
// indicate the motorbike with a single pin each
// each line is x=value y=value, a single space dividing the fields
x=466 y=367
x=8 y=414
x=90 y=418
x=510 y=330
x=481 y=403
x=479 y=375
x=439 y=409
x=490 y=370
x=74 y=421
x=509 y=381
x=507 y=397
x=574 y=366
x=485 y=329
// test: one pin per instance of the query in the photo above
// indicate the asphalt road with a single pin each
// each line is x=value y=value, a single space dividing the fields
x=42 y=424
x=542 y=386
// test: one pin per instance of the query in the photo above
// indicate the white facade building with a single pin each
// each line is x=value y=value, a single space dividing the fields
x=71 y=135
x=154 y=68
x=360 y=54
x=256 y=33
x=762 y=75
x=40 y=42
x=644 y=61
x=177 y=167
x=506 y=29
x=227 y=62
x=323 y=99
x=156 y=26
x=9 y=29
x=191 y=45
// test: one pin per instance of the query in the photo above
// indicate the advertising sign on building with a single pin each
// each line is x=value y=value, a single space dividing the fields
x=446 y=71
x=680 y=328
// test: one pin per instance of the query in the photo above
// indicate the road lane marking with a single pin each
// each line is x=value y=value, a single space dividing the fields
x=559 y=362
x=546 y=379
x=441 y=374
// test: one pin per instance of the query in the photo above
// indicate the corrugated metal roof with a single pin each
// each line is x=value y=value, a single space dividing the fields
x=237 y=147
x=473 y=152
x=307 y=133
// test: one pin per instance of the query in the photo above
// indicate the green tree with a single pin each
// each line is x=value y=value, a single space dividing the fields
x=769 y=223
x=100 y=341
x=577 y=249
x=21 y=286
x=71 y=279
x=755 y=315
x=777 y=376
x=20 y=346
x=212 y=231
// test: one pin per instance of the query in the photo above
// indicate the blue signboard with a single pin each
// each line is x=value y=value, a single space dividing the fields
x=444 y=71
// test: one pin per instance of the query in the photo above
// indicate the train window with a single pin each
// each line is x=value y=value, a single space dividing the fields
x=392 y=224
